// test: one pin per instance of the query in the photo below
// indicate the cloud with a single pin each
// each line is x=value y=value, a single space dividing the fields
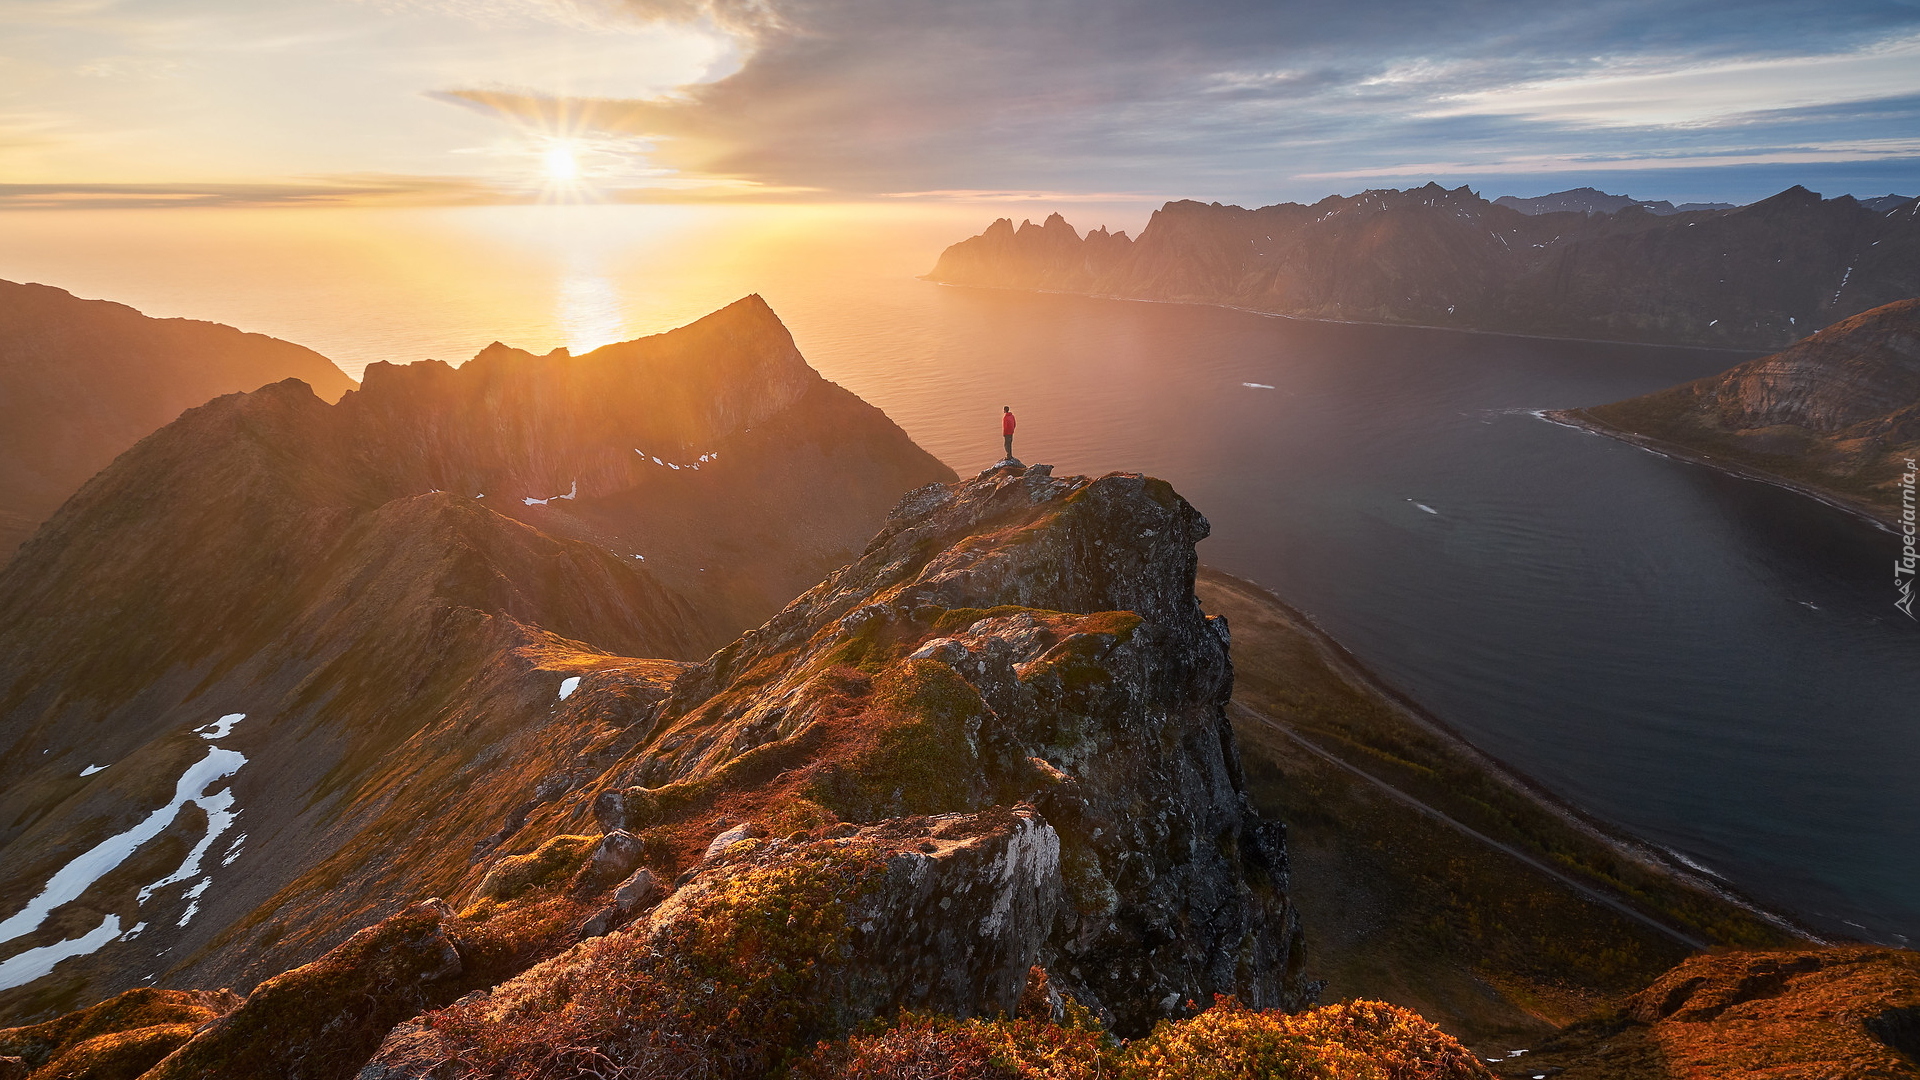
x=1241 y=97
x=333 y=192
x=1674 y=91
x=1239 y=100
x=1869 y=150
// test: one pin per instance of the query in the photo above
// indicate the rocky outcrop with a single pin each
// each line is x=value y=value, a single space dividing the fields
x=83 y=380
x=1753 y=276
x=390 y=649
x=993 y=743
x=1040 y=638
x=120 y=1037
x=943 y=914
x=1838 y=411
x=321 y=1020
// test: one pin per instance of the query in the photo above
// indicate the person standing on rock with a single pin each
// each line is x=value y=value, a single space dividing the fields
x=1006 y=428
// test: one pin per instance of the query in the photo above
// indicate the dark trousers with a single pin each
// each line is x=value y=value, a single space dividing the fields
x=1009 y=438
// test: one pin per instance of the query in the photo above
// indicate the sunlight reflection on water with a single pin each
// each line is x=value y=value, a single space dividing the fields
x=590 y=311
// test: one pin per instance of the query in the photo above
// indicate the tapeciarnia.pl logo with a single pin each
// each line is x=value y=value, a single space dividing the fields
x=1903 y=567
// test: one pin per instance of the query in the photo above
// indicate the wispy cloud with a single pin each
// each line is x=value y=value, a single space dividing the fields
x=334 y=192
x=1672 y=91
x=1863 y=150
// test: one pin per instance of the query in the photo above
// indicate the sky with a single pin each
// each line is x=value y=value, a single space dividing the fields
x=243 y=102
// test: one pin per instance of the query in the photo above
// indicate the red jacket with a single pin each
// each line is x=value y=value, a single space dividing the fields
x=1006 y=423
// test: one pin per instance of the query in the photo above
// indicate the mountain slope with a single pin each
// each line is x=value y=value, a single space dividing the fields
x=1756 y=276
x=1837 y=412
x=83 y=380
x=388 y=648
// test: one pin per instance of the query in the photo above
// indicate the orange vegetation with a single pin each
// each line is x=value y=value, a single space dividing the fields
x=1361 y=1040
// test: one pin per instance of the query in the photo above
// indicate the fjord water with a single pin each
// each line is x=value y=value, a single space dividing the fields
x=1713 y=663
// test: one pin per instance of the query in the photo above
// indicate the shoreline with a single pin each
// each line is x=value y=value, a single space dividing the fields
x=1579 y=420
x=1615 y=837
x=1751 y=352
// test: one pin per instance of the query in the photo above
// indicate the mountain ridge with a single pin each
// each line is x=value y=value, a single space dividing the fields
x=1752 y=277
x=82 y=380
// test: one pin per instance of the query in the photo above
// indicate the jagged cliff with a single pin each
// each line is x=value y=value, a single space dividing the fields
x=83 y=380
x=1755 y=276
x=257 y=677
x=1838 y=412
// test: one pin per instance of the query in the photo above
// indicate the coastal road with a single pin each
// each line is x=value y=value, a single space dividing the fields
x=1239 y=711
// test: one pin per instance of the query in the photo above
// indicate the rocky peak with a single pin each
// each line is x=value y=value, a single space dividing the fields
x=1017 y=638
x=515 y=425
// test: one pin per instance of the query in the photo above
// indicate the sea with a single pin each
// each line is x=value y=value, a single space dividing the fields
x=1714 y=664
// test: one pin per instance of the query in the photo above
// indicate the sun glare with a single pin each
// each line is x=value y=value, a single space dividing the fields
x=562 y=164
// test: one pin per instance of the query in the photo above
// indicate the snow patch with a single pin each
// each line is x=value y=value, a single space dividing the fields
x=91 y=769
x=27 y=966
x=568 y=686
x=676 y=466
x=77 y=876
x=220 y=818
x=219 y=728
x=572 y=492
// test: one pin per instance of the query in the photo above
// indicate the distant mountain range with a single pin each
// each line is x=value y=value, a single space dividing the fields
x=1837 y=412
x=82 y=380
x=1588 y=200
x=1756 y=276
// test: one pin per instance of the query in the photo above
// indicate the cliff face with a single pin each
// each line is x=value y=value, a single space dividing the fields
x=1839 y=410
x=263 y=621
x=83 y=380
x=1760 y=275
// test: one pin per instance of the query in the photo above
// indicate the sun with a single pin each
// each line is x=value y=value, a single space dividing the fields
x=562 y=163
